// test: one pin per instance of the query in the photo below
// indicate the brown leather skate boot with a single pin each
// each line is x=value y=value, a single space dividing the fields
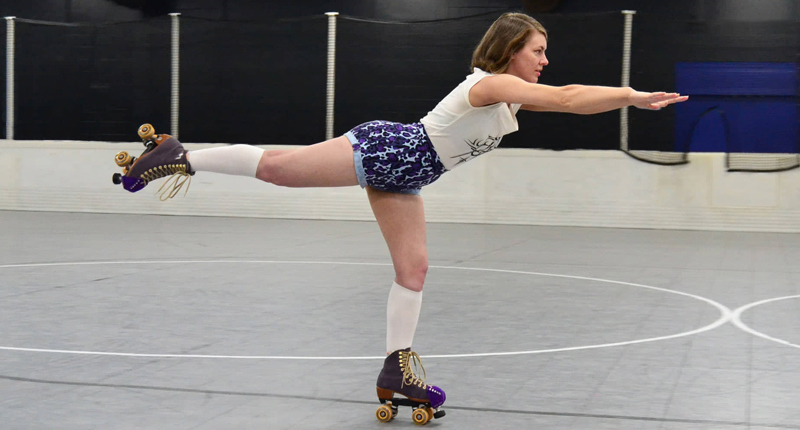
x=398 y=377
x=164 y=156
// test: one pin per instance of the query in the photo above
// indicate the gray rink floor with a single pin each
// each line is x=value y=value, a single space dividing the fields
x=280 y=324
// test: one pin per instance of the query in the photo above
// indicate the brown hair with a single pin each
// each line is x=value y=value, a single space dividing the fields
x=505 y=37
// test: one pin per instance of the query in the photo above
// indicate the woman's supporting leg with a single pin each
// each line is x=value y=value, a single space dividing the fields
x=401 y=218
x=402 y=221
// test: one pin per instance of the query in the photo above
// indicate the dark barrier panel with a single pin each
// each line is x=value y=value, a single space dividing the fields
x=253 y=82
x=583 y=49
x=398 y=72
x=91 y=82
x=265 y=82
x=51 y=75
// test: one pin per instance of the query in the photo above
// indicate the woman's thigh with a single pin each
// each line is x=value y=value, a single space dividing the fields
x=325 y=164
x=401 y=218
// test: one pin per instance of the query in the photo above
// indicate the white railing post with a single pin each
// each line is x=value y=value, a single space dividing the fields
x=331 y=93
x=176 y=70
x=10 y=37
x=626 y=76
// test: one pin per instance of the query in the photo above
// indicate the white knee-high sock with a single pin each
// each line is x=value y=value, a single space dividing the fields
x=241 y=160
x=402 y=314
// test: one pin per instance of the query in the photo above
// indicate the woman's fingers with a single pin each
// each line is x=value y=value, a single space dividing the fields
x=657 y=101
x=659 y=97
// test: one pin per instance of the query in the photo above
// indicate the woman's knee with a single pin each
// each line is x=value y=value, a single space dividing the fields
x=413 y=276
x=269 y=168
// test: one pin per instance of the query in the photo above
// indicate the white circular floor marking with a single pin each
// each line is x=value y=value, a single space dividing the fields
x=736 y=319
x=725 y=313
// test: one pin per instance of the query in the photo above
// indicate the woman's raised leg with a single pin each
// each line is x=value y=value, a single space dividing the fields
x=325 y=164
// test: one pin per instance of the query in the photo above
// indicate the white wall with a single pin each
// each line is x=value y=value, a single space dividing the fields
x=508 y=186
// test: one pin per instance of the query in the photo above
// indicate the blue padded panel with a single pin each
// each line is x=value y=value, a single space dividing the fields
x=756 y=102
x=761 y=126
x=737 y=79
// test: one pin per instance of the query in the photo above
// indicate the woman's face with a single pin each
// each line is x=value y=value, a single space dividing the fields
x=528 y=62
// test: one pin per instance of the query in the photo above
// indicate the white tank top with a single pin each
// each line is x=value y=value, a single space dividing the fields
x=460 y=132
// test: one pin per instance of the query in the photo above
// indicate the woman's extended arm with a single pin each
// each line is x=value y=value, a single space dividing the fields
x=578 y=99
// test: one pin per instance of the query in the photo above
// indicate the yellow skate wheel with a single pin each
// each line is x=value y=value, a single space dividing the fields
x=384 y=414
x=123 y=159
x=146 y=132
x=420 y=416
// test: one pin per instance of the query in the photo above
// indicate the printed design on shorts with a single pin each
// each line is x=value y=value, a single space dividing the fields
x=478 y=147
x=397 y=157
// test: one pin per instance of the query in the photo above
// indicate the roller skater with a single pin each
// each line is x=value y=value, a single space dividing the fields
x=393 y=161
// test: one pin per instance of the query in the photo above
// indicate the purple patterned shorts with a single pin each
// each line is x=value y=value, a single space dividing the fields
x=394 y=157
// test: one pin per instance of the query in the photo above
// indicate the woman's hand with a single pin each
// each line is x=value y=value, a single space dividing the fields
x=655 y=101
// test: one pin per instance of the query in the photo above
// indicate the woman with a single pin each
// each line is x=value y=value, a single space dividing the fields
x=393 y=161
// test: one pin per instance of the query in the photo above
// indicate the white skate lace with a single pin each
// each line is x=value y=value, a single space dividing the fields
x=409 y=377
x=173 y=185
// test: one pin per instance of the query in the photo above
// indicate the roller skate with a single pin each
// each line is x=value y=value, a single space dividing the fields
x=163 y=156
x=398 y=377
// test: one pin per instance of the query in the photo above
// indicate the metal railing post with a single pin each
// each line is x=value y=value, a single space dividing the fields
x=176 y=71
x=10 y=38
x=331 y=93
x=626 y=76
